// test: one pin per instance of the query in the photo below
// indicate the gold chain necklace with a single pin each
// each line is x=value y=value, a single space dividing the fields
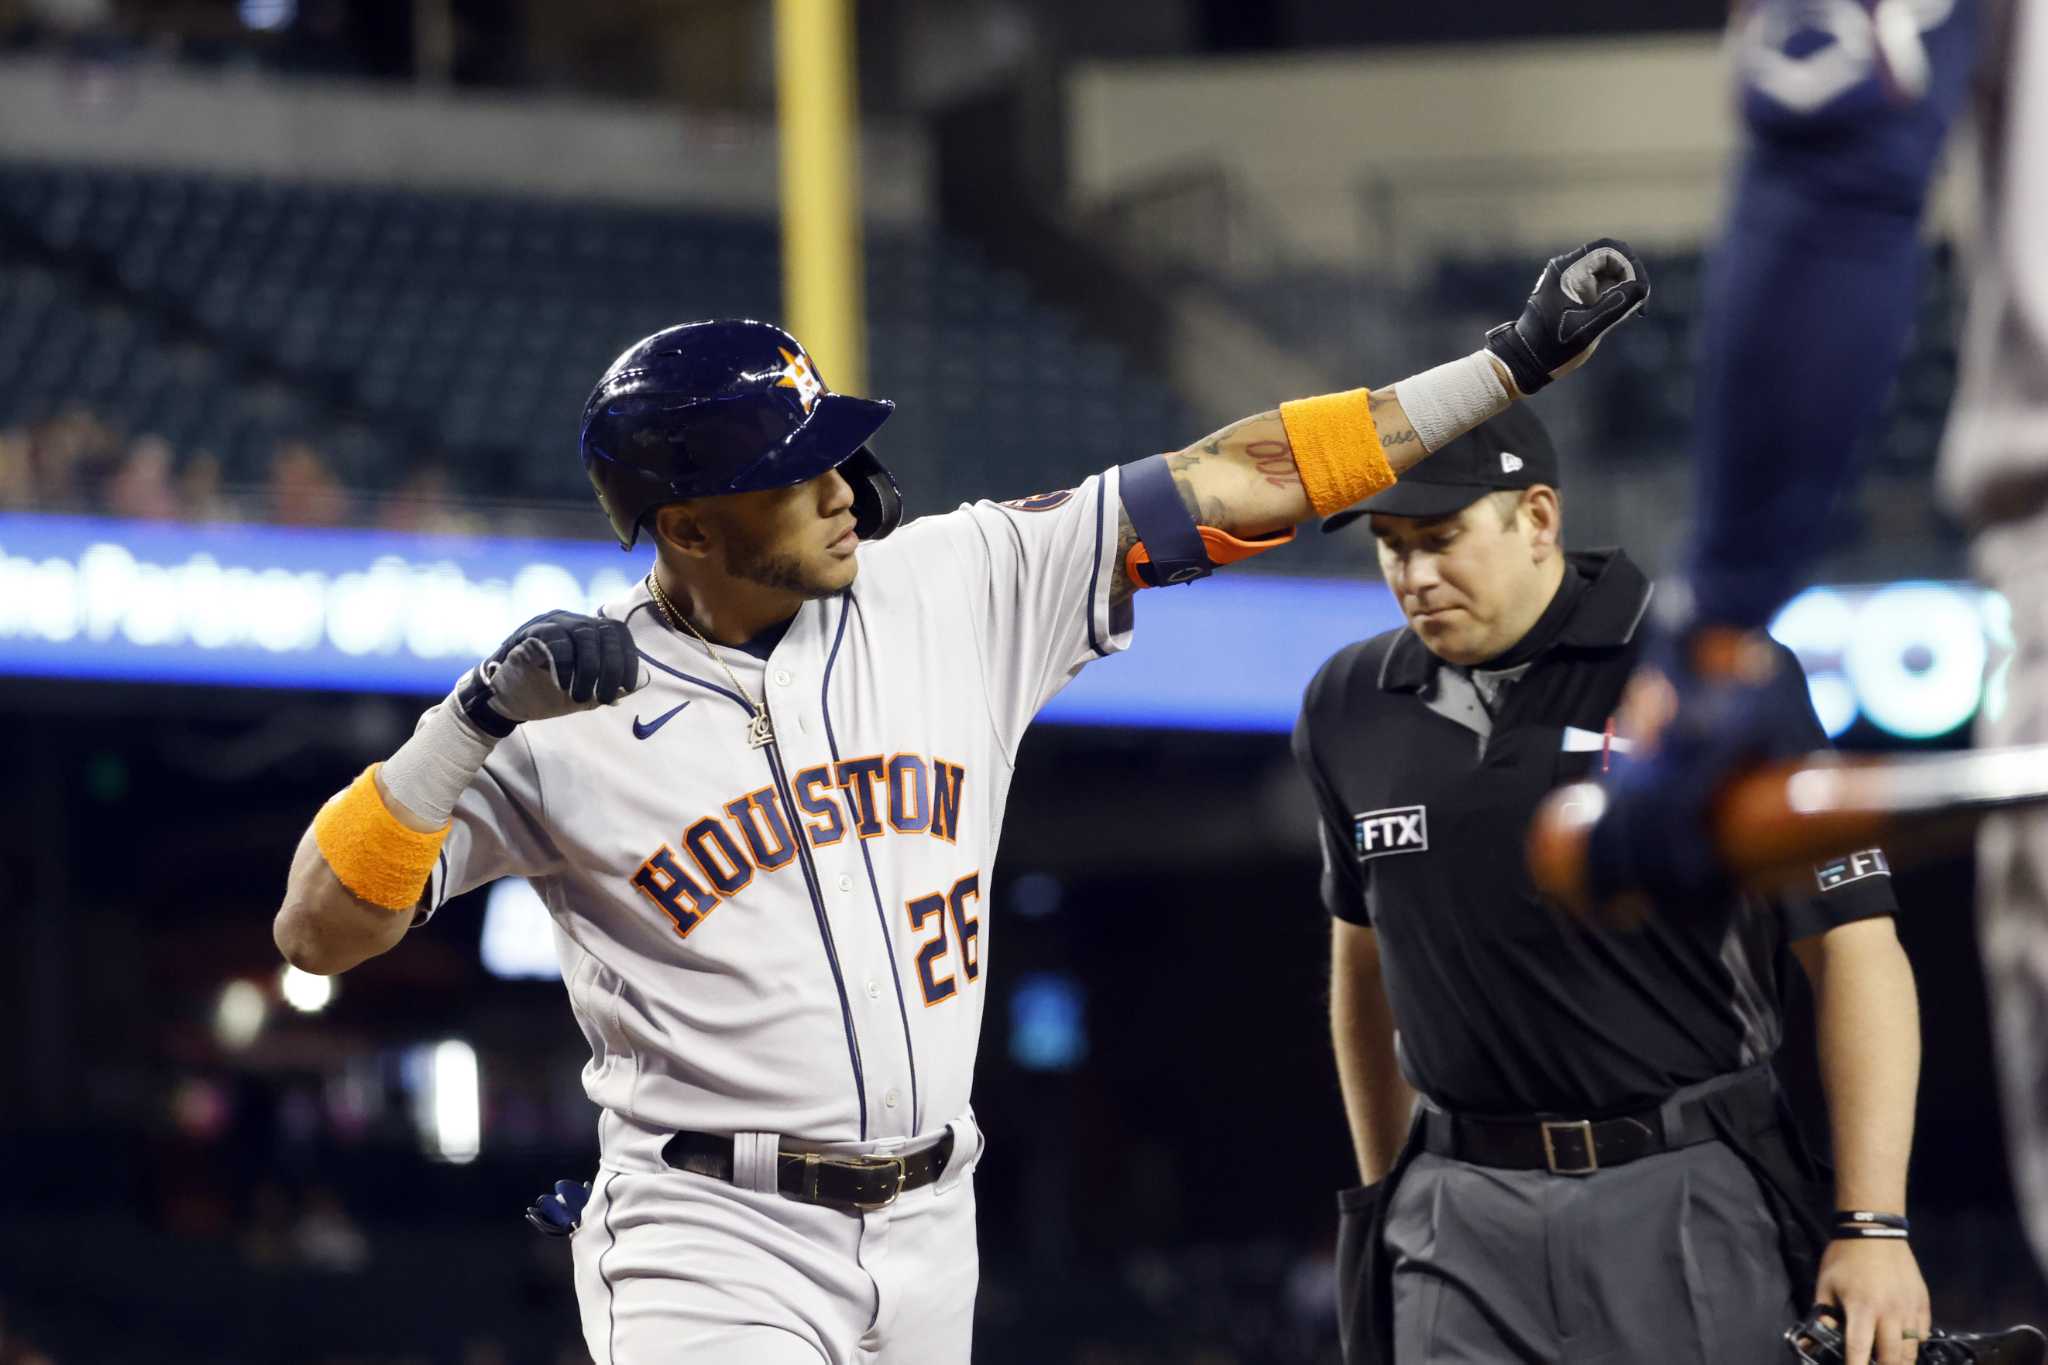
x=760 y=731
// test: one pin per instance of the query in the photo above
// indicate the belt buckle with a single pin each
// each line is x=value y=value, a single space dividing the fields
x=1584 y=1129
x=813 y=1161
x=881 y=1163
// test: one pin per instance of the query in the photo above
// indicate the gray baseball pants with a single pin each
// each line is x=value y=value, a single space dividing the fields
x=1674 y=1259
x=2012 y=867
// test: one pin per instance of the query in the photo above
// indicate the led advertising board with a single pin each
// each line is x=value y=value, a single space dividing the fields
x=377 y=611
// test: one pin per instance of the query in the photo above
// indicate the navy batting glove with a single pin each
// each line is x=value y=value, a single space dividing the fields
x=560 y=1212
x=1579 y=298
x=556 y=664
x=1740 y=702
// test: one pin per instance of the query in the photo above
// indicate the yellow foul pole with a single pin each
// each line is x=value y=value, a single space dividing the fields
x=820 y=154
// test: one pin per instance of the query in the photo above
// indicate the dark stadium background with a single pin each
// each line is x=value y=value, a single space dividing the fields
x=1164 y=1194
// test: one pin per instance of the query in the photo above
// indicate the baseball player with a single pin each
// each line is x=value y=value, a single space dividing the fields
x=760 y=794
x=1809 y=304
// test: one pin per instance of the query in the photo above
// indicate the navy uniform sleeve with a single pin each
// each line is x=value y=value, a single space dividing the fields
x=1343 y=888
x=1854 y=885
x=1810 y=296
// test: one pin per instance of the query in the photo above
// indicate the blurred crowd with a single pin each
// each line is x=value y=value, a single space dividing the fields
x=76 y=462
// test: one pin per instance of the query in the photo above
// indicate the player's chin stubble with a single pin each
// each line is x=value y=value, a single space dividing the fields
x=768 y=569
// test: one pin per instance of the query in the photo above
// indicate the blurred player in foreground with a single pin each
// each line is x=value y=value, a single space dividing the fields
x=1810 y=299
x=768 y=874
x=1601 y=1166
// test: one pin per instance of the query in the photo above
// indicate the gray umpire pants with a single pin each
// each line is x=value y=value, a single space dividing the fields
x=1672 y=1259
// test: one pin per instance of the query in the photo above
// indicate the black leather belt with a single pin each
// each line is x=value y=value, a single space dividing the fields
x=1568 y=1146
x=862 y=1183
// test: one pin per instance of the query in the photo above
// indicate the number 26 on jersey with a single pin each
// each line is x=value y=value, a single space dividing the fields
x=946 y=919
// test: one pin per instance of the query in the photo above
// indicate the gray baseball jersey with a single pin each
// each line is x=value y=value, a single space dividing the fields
x=794 y=939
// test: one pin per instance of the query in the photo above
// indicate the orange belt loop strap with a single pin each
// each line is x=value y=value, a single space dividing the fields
x=1337 y=449
x=381 y=860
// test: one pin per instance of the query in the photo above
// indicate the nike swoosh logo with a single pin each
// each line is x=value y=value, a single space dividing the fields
x=642 y=729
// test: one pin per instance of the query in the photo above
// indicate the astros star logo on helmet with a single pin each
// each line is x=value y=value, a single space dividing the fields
x=796 y=374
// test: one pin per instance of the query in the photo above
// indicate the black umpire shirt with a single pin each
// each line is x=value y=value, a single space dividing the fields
x=1426 y=776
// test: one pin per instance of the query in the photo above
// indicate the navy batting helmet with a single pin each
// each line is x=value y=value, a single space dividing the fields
x=727 y=407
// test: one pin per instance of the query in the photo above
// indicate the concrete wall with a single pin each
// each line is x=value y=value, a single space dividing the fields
x=155 y=115
x=1390 y=156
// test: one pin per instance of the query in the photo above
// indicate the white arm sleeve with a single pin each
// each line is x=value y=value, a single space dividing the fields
x=1038 y=573
x=498 y=829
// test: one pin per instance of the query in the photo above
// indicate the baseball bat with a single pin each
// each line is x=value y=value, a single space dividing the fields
x=1773 y=823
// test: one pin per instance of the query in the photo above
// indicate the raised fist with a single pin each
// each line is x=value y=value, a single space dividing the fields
x=1579 y=298
x=555 y=664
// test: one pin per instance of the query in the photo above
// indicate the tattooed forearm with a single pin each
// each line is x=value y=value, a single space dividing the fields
x=1234 y=437
x=1241 y=480
x=1244 y=482
x=1274 y=461
x=1206 y=508
x=1397 y=437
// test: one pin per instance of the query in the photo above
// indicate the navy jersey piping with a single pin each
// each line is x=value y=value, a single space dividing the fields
x=867 y=860
x=437 y=886
x=704 y=683
x=810 y=870
x=534 y=823
x=812 y=884
x=674 y=672
x=1095 y=568
x=611 y=1294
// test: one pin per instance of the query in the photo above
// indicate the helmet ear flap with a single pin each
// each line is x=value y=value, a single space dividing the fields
x=877 y=502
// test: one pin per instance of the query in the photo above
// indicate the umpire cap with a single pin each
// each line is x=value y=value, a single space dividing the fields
x=708 y=408
x=1508 y=450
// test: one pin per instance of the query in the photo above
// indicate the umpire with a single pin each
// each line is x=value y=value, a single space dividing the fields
x=1572 y=1142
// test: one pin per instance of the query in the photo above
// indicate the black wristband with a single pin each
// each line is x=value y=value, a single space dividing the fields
x=1851 y=1224
x=1514 y=351
x=1865 y=1217
x=473 y=698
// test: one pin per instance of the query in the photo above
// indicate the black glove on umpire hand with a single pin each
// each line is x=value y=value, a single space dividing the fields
x=556 y=664
x=1579 y=298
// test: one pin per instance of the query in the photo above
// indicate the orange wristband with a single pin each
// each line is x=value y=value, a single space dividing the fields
x=375 y=856
x=1337 y=449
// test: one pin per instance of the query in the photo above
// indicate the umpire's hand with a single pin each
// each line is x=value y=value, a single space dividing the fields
x=1877 y=1285
x=556 y=664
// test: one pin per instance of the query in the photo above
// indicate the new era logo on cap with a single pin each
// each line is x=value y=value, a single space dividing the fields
x=1398 y=829
x=1509 y=463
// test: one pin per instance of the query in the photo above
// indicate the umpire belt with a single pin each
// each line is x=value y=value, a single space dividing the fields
x=1568 y=1146
x=858 y=1183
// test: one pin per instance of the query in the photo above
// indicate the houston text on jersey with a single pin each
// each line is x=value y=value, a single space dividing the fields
x=870 y=796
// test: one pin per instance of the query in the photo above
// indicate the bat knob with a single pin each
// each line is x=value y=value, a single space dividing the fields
x=1557 y=842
